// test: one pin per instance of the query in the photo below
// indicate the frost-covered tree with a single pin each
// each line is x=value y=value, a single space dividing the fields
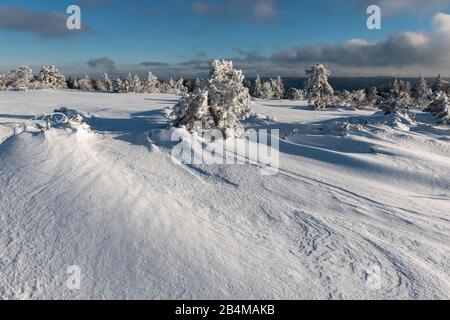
x=229 y=100
x=401 y=90
x=108 y=84
x=277 y=88
x=51 y=78
x=19 y=79
x=372 y=96
x=120 y=86
x=99 y=85
x=221 y=104
x=421 y=89
x=175 y=87
x=192 y=108
x=267 y=90
x=295 y=94
x=86 y=83
x=151 y=84
x=439 y=85
x=2 y=82
x=344 y=97
x=180 y=88
x=318 y=91
x=129 y=83
x=200 y=84
x=440 y=108
x=136 y=84
x=398 y=104
x=359 y=99
x=258 y=89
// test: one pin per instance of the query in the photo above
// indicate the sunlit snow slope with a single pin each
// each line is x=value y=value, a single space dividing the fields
x=141 y=226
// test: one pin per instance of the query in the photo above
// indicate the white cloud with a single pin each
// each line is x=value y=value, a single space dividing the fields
x=441 y=22
x=403 y=49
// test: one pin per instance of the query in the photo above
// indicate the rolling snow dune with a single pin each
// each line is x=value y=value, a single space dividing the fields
x=114 y=203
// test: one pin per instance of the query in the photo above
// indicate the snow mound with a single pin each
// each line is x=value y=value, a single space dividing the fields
x=63 y=118
x=359 y=216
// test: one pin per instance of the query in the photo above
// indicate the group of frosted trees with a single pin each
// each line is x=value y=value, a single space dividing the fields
x=129 y=84
x=202 y=94
x=272 y=89
x=22 y=79
x=398 y=97
x=221 y=103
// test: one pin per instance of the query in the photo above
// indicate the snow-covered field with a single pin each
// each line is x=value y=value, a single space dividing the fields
x=362 y=215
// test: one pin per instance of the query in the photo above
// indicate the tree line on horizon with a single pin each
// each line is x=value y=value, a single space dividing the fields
x=399 y=95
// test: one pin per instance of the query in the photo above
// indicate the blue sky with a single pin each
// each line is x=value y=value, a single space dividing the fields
x=185 y=34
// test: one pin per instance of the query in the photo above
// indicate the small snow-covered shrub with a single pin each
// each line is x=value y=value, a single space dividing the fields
x=318 y=91
x=440 y=109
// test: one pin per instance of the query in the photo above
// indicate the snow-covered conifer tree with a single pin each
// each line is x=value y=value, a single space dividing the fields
x=440 y=108
x=19 y=79
x=99 y=85
x=422 y=89
x=359 y=99
x=85 y=83
x=151 y=84
x=229 y=100
x=399 y=104
x=118 y=85
x=258 y=89
x=180 y=88
x=319 y=91
x=439 y=85
x=136 y=84
x=295 y=94
x=267 y=90
x=277 y=88
x=221 y=104
x=372 y=96
x=344 y=97
x=51 y=78
x=109 y=86
x=129 y=83
x=192 y=107
x=2 y=82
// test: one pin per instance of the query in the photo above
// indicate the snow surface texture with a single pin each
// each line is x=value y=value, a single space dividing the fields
x=356 y=195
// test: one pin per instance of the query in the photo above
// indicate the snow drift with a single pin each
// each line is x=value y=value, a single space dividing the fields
x=345 y=204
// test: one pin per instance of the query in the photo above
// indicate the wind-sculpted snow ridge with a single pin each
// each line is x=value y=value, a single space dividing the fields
x=364 y=214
